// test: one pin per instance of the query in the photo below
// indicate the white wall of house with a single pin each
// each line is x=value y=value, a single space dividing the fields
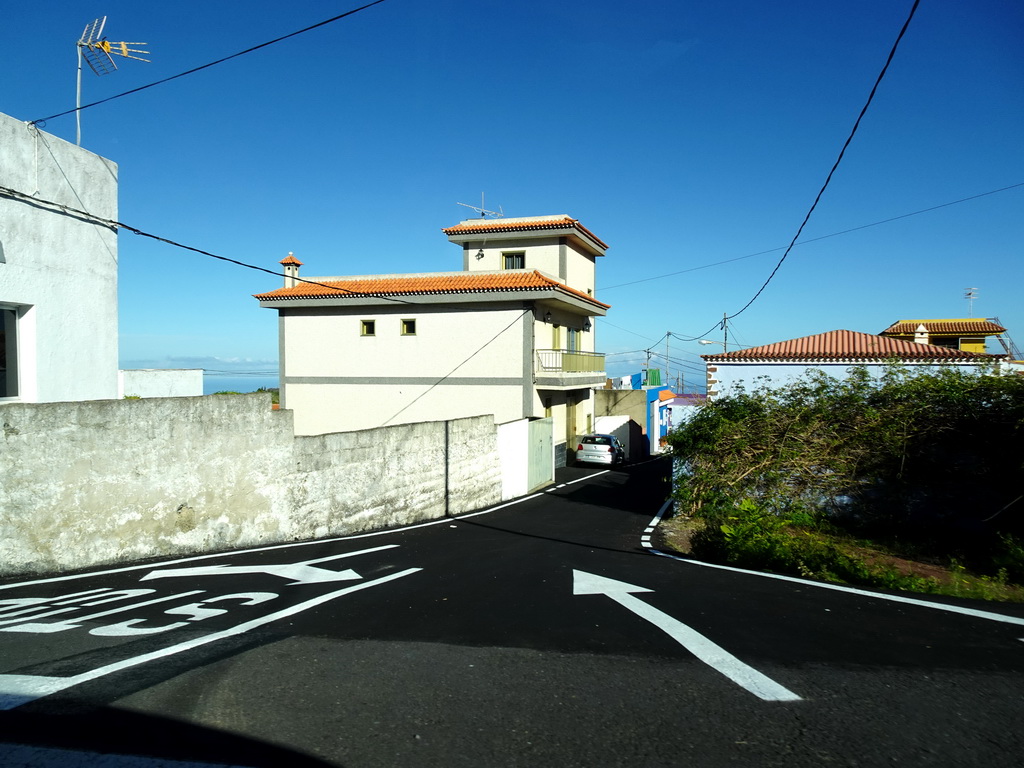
x=58 y=272
x=322 y=408
x=562 y=261
x=165 y=382
x=580 y=270
x=729 y=378
x=457 y=364
x=514 y=449
x=618 y=426
x=324 y=344
x=541 y=254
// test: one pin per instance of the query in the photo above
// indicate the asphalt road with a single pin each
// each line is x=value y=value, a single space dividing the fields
x=540 y=633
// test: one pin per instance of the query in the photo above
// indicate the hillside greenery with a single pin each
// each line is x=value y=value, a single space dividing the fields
x=847 y=480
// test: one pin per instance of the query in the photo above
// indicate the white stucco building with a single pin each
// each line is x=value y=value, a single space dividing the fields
x=833 y=353
x=58 y=270
x=511 y=334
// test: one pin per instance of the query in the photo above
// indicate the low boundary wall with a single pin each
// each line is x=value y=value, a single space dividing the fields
x=101 y=482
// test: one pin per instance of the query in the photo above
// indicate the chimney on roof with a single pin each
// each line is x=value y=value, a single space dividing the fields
x=921 y=335
x=291 y=270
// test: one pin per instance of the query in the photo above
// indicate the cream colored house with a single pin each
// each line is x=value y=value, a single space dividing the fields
x=512 y=335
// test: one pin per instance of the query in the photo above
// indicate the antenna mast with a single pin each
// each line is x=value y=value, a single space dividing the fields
x=970 y=294
x=483 y=211
x=96 y=50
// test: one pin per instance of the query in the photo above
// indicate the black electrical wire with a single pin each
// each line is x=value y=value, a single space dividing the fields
x=211 y=64
x=835 y=165
x=815 y=239
x=453 y=370
x=115 y=225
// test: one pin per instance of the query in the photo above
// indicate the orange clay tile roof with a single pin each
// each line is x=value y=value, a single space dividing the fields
x=524 y=224
x=457 y=283
x=953 y=327
x=290 y=259
x=844 y=345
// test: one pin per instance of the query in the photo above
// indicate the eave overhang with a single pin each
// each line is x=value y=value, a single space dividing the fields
x=551 y=298
x=478 y=231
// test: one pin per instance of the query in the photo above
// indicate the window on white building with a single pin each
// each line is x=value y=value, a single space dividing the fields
x=367 y=327
x=408 y=327
x=513 y=261
x=8 y=352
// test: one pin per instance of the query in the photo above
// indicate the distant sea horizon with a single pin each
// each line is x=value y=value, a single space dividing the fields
x=220 y=383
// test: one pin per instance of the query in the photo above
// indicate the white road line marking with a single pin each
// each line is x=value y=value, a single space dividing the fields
x=299 y=573
x=972 y=612
x=704 y=649
x=16 y=690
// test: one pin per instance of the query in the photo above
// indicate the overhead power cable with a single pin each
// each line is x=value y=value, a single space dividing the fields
x=814 y=239
x=211 y=64
x=835 y=165
x=115 y=225
x=453 y=370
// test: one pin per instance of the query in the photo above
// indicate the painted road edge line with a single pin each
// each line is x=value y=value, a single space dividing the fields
x=972 y=612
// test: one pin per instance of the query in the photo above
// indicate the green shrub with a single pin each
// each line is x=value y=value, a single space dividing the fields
x=928 y=461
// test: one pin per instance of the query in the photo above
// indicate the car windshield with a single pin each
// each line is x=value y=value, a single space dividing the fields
x=597 y=440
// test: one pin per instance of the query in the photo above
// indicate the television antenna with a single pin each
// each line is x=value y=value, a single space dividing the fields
x=970 y=294
x=483 y=211
x=97 y=50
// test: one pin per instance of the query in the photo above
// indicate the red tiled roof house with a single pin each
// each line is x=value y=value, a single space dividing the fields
x=512 y=334
x=833 y=353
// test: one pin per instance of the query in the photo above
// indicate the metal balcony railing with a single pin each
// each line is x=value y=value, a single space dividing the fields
x=565 y=361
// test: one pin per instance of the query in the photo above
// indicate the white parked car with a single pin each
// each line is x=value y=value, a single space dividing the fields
x=600 y=449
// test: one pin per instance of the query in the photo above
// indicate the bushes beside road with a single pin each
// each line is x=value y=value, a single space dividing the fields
x=911 y=481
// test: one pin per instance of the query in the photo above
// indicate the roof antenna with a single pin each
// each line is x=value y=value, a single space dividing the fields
x=484 y=213
x=970 y=294
x=96 y=50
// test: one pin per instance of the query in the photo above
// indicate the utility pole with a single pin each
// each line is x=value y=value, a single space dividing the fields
x=668 y=334
x=725 y=332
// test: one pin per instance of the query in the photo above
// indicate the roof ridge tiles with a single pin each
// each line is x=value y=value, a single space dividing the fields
x=844 y=345
x=427 y=283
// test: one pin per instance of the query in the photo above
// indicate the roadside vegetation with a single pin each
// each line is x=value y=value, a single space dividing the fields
x=275 y=393
x=914 y=481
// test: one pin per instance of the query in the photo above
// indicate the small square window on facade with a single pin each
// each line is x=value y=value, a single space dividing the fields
x=367 y=327
x=513 y=261
x=408 y=327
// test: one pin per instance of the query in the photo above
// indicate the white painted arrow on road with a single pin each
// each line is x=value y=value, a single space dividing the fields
x=299 y=573
x=711 y=654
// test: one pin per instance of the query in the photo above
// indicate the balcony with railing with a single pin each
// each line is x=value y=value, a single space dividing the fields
x=566 y=369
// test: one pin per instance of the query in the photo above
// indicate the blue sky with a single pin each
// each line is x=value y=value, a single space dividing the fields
x=683 y=134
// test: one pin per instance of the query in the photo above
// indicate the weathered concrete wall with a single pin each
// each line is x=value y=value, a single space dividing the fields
x=160 y=382
x=90 y=483
x=621 y=402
